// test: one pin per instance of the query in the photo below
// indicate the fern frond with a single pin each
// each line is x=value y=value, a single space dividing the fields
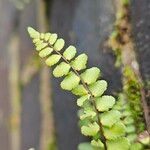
x=99 y=118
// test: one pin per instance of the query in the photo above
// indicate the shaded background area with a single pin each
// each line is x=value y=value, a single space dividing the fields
x=84 y=23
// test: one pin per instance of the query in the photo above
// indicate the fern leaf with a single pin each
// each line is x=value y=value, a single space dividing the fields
x=97 y=143
x=130 y=129
x=47 y=36
x=45 y=52
x=132 y=137
x=33 y=33
x=110 y=118
x=118 y=144
x=70 y=81
x=42 y=35
x=52 y=60
x=90 y=130
x=80 y=90
x=61 y=69
x=53 y=38
x=128 y=120
x=116 y=131
x=87 y=113
x=136 y=146
x=80 y=62
x=70 y=52
x=105 y=102
x=91 y=75
x=41 y=46
x=82 y=99
x=98 y=88
x=85 y=146
x=59 y=44
x=37 y=41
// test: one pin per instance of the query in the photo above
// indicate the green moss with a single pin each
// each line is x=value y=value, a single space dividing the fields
x=52 y=144
x=118 y=58
x=125 y=2
x=132 y=90
x=114 y=44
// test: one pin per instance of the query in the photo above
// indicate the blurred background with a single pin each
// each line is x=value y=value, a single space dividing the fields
x=34 y=111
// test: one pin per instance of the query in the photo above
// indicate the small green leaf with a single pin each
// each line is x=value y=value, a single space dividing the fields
x=41 y=46
x=130 y=128
x=52 y=38
x=82 y=99
x=85 y=121
x=104 y=103
x=85 y=146
x=128 y=120
x=88 y=113
x=52 y=60
x=36 y=40
x=97 y=143
x=132 y=137
x=61 y=69
x=70 y=52
x=116 y=131
x=110 y=118
x=98 y=88
x=59 y=44
x=39 y=42
x=70 y=81
x=118 y=144
x=90 y=130
x=91 y=75
x=126 y=113
x=47 y=36
x=80 y=90
x=136 y=146
x=45 y=52
x=42 y=36
x=80 y=62
x=33 y=33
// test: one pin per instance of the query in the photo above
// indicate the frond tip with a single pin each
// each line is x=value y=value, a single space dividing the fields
x=33 y=33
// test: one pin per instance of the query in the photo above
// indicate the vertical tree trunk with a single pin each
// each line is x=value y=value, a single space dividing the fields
x=14 y=86
x=47 y=137
x=29 y=65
